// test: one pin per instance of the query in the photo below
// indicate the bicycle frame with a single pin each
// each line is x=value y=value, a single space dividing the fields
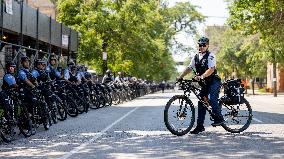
x=191 y=88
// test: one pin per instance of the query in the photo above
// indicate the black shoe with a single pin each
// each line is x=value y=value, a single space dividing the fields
x=197 y=130
x=218 y=122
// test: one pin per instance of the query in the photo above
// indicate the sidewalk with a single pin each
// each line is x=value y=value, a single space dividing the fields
x=256 y=92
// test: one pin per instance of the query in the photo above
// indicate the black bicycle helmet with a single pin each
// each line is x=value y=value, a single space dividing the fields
x=24 y=58
x=10 y=64
x=73 y=67
x=108 y=71
x=203 y=40
x=52 y=57
x=71 y=63
x=39 y=61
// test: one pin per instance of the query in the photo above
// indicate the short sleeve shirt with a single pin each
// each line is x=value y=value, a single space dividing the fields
x=22 y=75
x=66 y=74
x=79 y=76
x=35 y=74
x=49 y=70
x=10 y=79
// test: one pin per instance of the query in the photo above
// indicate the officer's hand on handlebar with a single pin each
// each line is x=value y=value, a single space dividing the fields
x=198 y=78
x=178 y=79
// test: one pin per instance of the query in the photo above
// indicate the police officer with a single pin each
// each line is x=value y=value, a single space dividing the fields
x=25 y=77
x=74 y=76
x=94 y=76
x=205 y=64
x=52 y=70
x=119 y=78
x=162 y=85
x=82 y=72
x=39 y=72
x=28 y=83
x=87 y=74
x=9 y=83
x=67 y=71
x=9 y=80
x=107 y=77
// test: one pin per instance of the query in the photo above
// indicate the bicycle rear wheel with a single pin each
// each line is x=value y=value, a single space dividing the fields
x=237 y=117
x=71 y=107
x=179 y=115
x=61 y=111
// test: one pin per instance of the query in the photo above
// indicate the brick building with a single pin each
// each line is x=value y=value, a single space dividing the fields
x=279 y=78
x=44 y=6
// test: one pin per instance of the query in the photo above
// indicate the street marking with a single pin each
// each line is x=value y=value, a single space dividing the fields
x=82 y=146
x=257 y=120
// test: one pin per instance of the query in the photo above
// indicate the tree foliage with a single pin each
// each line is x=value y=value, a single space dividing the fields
x=263 y=17
x=138 y=34
x=237 y=53
x=242 y=55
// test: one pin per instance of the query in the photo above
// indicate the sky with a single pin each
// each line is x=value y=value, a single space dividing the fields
x=217 y=13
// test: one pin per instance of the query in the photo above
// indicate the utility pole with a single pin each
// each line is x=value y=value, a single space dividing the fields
x=104 y=46
x=274 y=75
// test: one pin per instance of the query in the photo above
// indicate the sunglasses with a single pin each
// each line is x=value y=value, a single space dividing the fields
x=202 y=45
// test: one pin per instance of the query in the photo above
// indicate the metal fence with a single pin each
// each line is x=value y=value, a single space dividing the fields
x=13 y=52
x=27 y=21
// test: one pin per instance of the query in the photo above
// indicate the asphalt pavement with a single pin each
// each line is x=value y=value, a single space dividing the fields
x=136 y=130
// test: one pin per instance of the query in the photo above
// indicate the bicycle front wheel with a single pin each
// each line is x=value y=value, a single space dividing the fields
x=237 y=117
x=179 y=115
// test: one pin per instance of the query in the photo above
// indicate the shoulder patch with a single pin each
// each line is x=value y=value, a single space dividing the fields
x=22 y=72
x=9 y=77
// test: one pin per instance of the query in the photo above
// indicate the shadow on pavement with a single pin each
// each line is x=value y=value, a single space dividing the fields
x=135 y=137
x=205 y=145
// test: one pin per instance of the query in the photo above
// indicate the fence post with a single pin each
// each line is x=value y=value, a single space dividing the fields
x=22 y=36
x=49 y=50
x=37 y=19
x=2 y=19
x=69 y=44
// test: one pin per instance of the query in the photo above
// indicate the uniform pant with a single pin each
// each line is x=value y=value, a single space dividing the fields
x=213 y=91
x=8 y=109
x=30 y=99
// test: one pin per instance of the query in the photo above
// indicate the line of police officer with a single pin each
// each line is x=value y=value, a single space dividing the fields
x=28 y=80
x=31 y=82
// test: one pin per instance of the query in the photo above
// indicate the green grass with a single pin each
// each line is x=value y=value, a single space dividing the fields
x=262 y=90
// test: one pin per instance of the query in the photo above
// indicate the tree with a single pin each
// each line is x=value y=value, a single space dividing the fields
x=266 y=18
x=138 y=33
x=215 y=34
x=241 y=55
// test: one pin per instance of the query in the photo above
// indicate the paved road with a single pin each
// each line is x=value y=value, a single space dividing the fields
x=136 y=130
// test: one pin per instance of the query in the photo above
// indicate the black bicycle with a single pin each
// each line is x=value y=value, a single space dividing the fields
x=179 y=113
x=19 y=115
